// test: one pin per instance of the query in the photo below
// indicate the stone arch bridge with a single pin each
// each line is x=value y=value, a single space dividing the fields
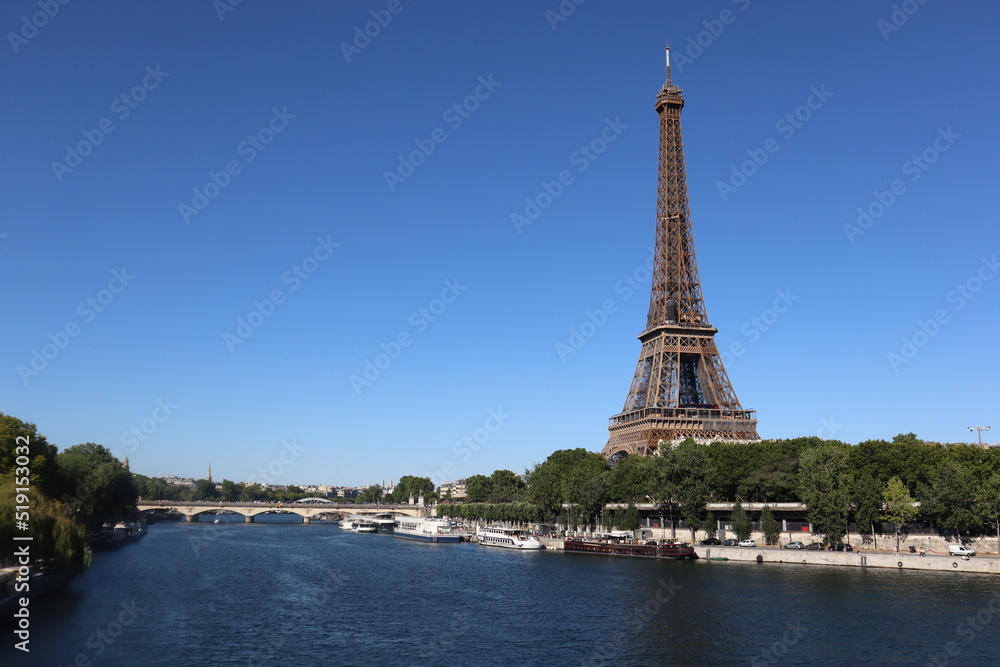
x=191 y=510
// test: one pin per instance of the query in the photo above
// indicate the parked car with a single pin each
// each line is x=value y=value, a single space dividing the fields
x=795 y=545
x=747 y=543
x=960 y=550
x=840 y=546
x=814 y=546
x=711 y=541
x=729 y=543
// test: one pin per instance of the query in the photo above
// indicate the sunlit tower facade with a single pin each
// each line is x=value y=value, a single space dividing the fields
x=680 y=388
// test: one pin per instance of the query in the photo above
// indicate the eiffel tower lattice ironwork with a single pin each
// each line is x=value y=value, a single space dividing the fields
x=680 y=388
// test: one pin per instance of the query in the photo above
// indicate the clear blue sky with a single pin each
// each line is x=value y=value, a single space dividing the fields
x=329 y=122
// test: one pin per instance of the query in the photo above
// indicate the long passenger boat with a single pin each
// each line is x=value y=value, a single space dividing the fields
x=425 y=530
x=649 y=549
x=508 y=538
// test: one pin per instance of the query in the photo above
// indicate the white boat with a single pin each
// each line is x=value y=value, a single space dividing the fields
x=364 y=526
x=347 y=523
x=507 y=538
x=385 y=523
x=426 y=530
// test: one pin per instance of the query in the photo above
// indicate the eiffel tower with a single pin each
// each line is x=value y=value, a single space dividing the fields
x=680 y=388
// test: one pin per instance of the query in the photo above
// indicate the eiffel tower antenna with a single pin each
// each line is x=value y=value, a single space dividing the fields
x=666 y=51
x=680 y=388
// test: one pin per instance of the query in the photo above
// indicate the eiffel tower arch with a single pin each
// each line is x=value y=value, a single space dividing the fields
x=680 y=388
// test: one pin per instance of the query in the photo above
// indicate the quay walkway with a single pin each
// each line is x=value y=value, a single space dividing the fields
x=863 y=558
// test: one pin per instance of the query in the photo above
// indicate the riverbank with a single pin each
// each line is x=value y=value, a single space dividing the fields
x=888 y=560
x=907 y=561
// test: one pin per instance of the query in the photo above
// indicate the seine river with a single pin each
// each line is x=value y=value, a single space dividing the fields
x=235 y=594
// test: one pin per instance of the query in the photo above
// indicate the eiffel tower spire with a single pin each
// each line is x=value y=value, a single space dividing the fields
x=680 y=388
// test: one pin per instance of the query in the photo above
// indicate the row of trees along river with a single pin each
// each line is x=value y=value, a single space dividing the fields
x=875 y=482
x=870 y=484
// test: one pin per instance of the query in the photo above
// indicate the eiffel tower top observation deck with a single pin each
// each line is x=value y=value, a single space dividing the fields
x=680 y=388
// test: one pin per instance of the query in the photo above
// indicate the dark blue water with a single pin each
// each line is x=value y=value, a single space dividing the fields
x=234 y=594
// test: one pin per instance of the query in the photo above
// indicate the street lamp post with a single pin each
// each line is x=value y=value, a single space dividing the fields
x=980 y=429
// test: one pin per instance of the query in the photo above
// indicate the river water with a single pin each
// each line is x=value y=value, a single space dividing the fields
x=265 y=593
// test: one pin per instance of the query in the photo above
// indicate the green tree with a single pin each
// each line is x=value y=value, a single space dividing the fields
x=104 y=489
x=45 y=475
x=866 y=496
x=205 y=490
x=991 y=502
x=56 y=539
x=951 y=497
x=629 y=519
x=690 y=470
x=630 y=480
x=741 y=522
x=413 y=486
x=566 y=476
x=230 y=491
x=590 y=495
x=824 y=486
x=505 y=487
x=898 y=504
x=769 y=526
x=664 y=486
x=477 y=489
x=711 y=525
x=370 y=495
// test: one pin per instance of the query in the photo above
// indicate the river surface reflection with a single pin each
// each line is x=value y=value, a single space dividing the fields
x=237 y=594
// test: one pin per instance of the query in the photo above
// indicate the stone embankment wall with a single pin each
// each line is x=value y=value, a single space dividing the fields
x=907 y=561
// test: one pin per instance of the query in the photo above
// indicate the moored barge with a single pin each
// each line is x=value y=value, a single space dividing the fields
x=671 y=549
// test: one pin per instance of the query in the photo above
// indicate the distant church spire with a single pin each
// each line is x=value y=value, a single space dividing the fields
x=210 y=471
x=125 y=463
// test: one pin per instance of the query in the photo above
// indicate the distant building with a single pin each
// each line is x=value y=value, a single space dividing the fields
x=179 y=481
x=457 y=489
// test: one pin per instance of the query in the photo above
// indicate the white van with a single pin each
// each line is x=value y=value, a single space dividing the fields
x=960 y=550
